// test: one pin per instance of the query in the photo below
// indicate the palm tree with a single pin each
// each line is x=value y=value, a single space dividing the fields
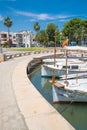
x=8 y=24
x=36 y=26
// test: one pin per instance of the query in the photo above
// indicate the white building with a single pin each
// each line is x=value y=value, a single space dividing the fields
x=23 y=38
x=4 y=37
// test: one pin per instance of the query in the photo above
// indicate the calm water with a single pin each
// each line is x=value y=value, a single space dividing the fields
x=75 y=113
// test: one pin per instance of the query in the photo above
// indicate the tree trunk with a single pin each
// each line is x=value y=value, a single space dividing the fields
x=8 y=34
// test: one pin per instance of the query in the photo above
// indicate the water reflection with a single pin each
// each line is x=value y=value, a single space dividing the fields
x=75 y=113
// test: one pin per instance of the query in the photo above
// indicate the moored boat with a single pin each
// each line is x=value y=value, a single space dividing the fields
x=59 y=70
x=71 y=90
x=67 y=66
x=74 y=90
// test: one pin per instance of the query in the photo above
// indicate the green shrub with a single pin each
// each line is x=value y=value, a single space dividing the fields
x=6 y=44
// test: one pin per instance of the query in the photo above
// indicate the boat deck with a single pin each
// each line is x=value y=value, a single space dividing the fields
x=79 y=85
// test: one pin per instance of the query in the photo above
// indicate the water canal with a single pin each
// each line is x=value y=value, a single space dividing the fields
x=75 y=113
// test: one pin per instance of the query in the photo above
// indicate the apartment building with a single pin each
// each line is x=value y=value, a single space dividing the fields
x=23 y=38
x=3 y=37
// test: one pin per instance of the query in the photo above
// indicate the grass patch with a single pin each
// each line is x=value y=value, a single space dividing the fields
x=27 y=49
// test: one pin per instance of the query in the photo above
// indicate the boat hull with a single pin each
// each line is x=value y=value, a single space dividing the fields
x=63 y=95
x=47 y=71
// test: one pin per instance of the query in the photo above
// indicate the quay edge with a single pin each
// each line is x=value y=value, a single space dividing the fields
x=37 y=112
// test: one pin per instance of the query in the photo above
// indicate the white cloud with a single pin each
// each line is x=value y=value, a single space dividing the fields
x=45 y=17
x=31 y=20
x=63 y=20
x=25 y=13
x=7 y=0
x=62 y=16
x=34 y=16
x=1 y=18
x=42 y=16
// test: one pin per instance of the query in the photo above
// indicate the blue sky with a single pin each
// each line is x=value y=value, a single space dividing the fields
x=25 y=12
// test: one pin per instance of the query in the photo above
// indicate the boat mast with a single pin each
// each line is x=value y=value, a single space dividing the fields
x=53 y=76
x=55 y=49
x=66 y=67
x=66 y=64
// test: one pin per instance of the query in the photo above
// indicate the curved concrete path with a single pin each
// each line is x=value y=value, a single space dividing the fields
x=21 y=105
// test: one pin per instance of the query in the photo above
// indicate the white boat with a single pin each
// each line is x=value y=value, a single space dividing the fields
x=74 y=67
x=71 y=90
x=70 y=67
x=51 y=61
x=74 y=91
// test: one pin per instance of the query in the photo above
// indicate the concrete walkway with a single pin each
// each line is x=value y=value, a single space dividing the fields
x=10 y=116
x=21 y=105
